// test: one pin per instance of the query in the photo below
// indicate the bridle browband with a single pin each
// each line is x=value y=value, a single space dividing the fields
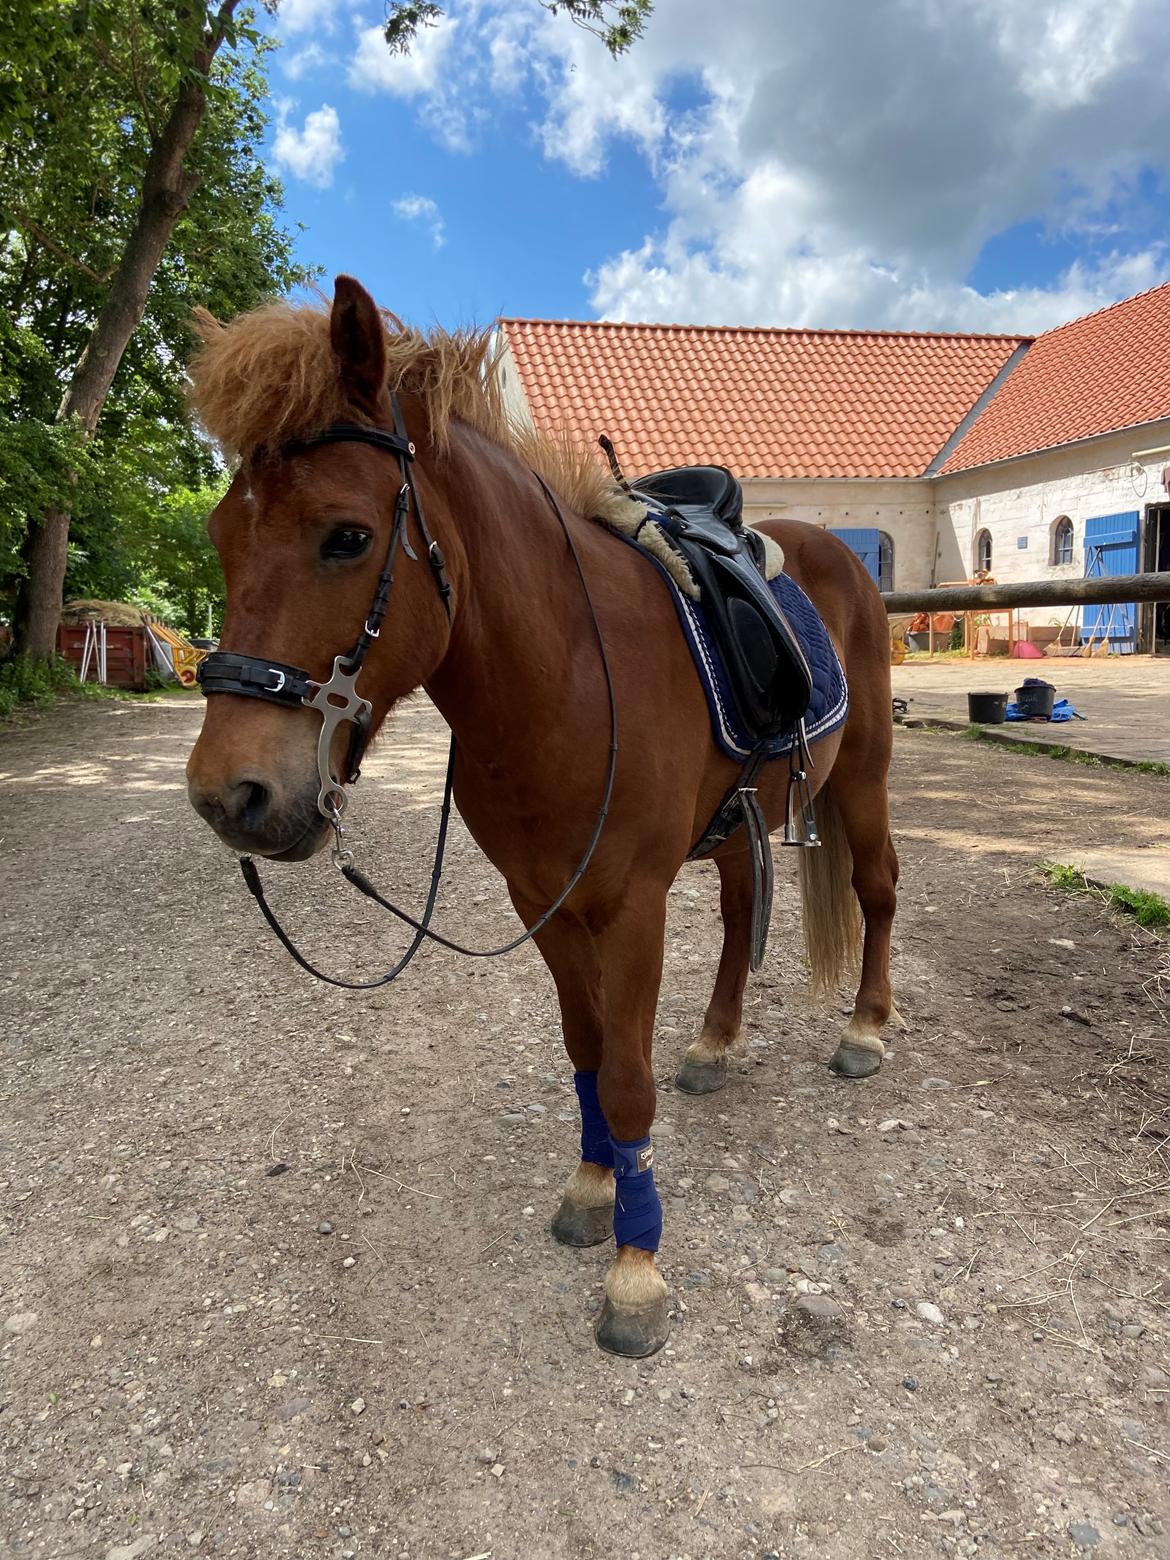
x=337 y=702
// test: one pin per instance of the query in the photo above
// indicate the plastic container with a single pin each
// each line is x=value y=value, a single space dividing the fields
x=986 y=709
x=1036 y=698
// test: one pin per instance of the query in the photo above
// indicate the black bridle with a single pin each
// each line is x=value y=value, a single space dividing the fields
x=337 y=702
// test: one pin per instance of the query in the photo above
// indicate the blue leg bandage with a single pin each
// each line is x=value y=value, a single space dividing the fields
x=595 y=1143
x=637 y=1213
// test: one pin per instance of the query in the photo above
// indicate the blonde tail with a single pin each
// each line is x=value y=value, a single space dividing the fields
x=831 y=914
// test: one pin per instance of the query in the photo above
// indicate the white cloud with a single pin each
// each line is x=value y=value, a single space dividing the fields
x=845 y=163
x=837 y=163
x=425 y=75
x=421 y=208
x=313 y=152
x=850 y=289
x=416 y=74
x=300 y=15
x=312 y=57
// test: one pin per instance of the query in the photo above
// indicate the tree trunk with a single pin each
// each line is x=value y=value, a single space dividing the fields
x=166 y=189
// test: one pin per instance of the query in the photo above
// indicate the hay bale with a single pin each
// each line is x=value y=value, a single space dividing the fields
x=118 y=614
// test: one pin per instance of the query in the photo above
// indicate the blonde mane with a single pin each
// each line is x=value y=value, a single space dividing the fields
x=270 y=377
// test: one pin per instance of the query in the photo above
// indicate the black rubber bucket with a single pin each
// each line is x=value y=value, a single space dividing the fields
x=986 y=709
x=1036 y=699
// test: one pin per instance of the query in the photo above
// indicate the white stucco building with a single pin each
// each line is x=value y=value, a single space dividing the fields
x=933 y=455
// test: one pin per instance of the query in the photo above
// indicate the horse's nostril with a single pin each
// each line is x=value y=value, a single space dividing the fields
x=243 y=804
x=253 y=800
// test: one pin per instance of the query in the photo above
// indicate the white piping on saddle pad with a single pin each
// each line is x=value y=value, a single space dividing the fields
x=628 y=516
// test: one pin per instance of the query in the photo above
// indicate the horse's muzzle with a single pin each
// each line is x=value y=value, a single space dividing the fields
x=249 y=818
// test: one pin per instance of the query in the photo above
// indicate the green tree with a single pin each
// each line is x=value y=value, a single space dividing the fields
x=130 y=190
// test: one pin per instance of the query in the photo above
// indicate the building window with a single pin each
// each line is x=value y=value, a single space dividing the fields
x=885 y=561
x=1062 y=540
x=983 y=551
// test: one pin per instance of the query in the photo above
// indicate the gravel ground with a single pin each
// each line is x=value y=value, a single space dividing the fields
x=276 y=1278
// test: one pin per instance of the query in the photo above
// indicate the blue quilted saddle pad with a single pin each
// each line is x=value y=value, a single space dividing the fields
x=830 y=700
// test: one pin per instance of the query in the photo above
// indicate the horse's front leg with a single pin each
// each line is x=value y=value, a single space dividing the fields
x=585 y=1216
x=608 y=983
x=634 y=1320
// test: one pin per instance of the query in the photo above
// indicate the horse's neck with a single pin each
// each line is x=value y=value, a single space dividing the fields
x=519 y=601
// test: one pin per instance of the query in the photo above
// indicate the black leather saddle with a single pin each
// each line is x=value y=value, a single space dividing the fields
x=701 y=513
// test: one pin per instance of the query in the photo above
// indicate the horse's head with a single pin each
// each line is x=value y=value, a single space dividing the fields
x=303 y=534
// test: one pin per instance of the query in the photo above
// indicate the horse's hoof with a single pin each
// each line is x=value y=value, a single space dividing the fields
x=634 y=1334
x=695 y=1077
x=576 y=1225
x=854 y=1061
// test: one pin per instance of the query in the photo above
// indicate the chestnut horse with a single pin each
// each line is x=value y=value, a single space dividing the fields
x=512 y=662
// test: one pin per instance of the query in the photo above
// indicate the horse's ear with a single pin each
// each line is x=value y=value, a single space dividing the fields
x=205 y=325
x=359 y=344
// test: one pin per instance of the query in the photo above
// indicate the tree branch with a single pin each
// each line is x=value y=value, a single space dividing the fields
x=57 y=249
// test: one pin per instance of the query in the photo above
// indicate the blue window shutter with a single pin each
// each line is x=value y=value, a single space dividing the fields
x=865 y=543
x=1111 y=548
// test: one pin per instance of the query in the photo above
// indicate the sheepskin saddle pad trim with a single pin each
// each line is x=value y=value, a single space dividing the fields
x=634 y=519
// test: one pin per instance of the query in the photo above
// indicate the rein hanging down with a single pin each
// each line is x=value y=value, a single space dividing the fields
x=338 y=702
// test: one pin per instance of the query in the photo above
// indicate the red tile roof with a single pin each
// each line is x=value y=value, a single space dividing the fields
x=766 y=403
x=1103 y=372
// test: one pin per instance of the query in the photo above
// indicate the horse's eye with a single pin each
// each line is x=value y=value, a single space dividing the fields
x=346 y=541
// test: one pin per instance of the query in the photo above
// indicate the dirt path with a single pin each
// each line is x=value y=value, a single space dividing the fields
x=188 y=1361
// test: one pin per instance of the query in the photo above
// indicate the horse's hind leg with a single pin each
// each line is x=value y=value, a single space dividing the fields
x=704 y=1067
x=863 y=801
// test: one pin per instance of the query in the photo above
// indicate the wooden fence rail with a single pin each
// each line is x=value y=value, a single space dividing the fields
x=1035 y=593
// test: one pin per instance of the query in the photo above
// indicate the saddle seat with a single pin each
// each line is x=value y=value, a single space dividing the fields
x=696 y=492
x=700 y=511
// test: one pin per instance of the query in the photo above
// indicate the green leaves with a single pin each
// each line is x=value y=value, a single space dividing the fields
x=404 y=19
x=85 y=87
x=618 y=23
x=42 y=462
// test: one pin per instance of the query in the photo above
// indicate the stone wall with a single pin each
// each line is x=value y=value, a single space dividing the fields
x=1021 y=501
x=903 y=508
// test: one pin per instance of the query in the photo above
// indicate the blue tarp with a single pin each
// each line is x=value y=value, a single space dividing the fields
x=1061 y=710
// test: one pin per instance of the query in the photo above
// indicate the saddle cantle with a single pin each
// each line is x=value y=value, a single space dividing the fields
x=698 y=492
x=700 y=511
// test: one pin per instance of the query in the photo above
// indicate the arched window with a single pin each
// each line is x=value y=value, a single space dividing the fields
x=983 y=551
x=1062 y=540
x=885 y=561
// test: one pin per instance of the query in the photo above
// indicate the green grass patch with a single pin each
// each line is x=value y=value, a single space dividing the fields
x=1064 y=877
x=1147 y=909
x=33 y=684
x=1065 y=755
x=26 y=684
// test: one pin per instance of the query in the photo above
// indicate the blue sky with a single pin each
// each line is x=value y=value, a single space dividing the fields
x=994 y=166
